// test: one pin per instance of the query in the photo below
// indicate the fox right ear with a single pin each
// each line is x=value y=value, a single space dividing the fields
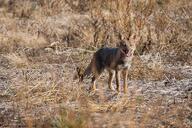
x=120 y=36
x=120 y=42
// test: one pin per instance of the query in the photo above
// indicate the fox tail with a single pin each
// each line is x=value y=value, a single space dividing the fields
x=83 y=73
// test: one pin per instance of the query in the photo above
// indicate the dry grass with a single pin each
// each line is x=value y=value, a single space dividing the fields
x=49 y=101
x=42 y=42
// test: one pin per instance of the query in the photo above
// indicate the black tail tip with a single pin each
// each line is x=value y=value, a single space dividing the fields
x=79 y=73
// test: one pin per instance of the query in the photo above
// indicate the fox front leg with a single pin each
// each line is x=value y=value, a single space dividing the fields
x=125 y=74
x=117 y=74
x=111 y=76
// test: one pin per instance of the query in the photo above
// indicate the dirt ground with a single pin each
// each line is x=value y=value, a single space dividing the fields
x=39 y=91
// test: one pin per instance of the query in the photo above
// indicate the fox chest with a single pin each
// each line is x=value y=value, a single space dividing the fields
x=125 y=63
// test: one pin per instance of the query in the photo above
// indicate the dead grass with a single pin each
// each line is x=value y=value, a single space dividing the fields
x=17 y=61
x=48 y=101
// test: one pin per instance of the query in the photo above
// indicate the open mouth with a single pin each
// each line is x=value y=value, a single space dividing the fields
x=126 y=53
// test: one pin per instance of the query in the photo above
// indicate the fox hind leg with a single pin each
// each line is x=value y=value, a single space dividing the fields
x=93 y=83
x=96 y=74
x=97 y=68
x=94 y=79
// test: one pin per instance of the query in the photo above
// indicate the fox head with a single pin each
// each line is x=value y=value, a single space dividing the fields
x=127 y=49
x=126 y=46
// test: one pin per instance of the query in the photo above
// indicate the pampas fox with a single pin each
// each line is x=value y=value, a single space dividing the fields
x=115 y=60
